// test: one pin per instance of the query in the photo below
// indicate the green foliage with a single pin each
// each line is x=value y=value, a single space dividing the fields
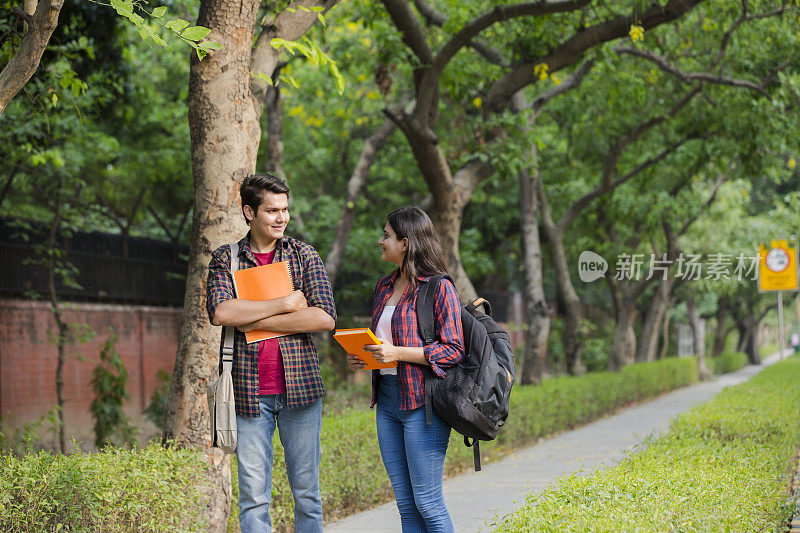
x=723 y=466
x=312 y=52
x=727 y=362
x=353 y=479
x=148 y=489
x=23 y=439
x=191 y=35
x=109 y=381
x=156 y=410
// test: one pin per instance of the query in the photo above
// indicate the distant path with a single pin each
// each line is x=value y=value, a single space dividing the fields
x=475 y=497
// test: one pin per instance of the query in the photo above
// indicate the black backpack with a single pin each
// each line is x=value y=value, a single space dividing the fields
x=473 y=397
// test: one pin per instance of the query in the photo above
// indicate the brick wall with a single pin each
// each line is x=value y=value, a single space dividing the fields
x=147 y=342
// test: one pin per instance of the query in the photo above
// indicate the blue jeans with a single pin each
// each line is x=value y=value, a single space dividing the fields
x=413 y=454
x=299 y=430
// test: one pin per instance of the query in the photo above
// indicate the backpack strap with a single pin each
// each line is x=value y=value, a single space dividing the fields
x=227 y=345
x=472 y=306
x=426 y=298
x=476 y=452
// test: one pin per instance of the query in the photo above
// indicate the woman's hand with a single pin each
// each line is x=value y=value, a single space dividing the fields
x=383 y=353
x=354 y=362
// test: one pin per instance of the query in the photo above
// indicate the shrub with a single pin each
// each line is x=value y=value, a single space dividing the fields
x=109 y=380
x=727 y=362
x=352 y=476
x=156 y=410
x=149 y=489
x=723 y=466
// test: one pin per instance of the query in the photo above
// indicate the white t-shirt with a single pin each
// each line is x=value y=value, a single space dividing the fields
x=384 y=331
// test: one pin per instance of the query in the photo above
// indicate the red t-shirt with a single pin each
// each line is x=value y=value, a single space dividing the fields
x=270 y=362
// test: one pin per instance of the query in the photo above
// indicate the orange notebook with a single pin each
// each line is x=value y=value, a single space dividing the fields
x=263 y=282
x=353 y=340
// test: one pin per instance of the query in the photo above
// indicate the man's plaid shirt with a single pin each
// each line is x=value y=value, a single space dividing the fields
x=446 y=351
x=300 y=361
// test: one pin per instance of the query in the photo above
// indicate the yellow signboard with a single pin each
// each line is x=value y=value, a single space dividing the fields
x=777 y=267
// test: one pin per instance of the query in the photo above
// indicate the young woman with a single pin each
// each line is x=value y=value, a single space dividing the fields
x=413 y=452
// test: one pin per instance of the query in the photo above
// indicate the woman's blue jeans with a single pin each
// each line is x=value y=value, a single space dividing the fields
x=299 y=431
x=413 y=454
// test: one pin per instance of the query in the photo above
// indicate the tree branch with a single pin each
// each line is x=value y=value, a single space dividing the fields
x=23 y=15
x=289 y=25
x=491 y=54
x=571 y=50
x=355 y=188
x=688 y=223
x=26 y=60
x=407 y=22
x=430 y=81
x=688 y=77
x=607 y=183
x=572 y=82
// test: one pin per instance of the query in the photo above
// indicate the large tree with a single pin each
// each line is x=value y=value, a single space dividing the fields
x=227 y=94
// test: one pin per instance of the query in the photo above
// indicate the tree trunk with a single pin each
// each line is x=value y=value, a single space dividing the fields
x=662 y=353
x=27 y=57
x=537 y=311
x=741 y=328
x=648 y=338
x=720 y=332
x=274 y=111
x=451 y=194
x=355 y=188
x=573 y=309
x=752 y=339
x=225 y=134
x=55 y=307
x=697 y=338
x=623 y=348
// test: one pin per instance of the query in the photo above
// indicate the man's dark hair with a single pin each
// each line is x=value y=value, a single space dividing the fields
x=255 y=185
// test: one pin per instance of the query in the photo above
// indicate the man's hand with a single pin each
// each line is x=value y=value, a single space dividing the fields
x=295 y=301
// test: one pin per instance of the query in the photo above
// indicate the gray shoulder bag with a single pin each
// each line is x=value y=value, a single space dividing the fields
x=221 y=403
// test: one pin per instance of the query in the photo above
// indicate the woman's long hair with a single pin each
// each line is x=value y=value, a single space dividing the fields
x=424 y=255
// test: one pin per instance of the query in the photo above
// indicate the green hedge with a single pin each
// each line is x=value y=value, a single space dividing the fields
x=727 y=362
x=153 y=489
x=352 y=476
x=723 y=466
x=150 y=489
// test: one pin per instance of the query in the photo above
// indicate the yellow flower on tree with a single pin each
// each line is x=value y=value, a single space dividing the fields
x=541 y=71
x=637 y=33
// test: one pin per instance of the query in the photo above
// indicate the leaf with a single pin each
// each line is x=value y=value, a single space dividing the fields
x=338 y=76
x=177 y=25
x=290 y=80
x=209 y=45
x=159 y=12
x=195 y=33
x=123 y=7
x=263 y=77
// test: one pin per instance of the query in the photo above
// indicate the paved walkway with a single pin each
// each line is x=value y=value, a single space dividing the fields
x=475 y=497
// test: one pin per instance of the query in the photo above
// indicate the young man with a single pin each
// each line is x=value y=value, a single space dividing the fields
x=277 y=381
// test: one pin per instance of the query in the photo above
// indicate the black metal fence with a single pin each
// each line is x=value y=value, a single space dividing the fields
x=109 y=268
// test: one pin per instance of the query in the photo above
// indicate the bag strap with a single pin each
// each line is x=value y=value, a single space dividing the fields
x=476 y=452
x=472 y=306
x=227 y=345
x=426 y=298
